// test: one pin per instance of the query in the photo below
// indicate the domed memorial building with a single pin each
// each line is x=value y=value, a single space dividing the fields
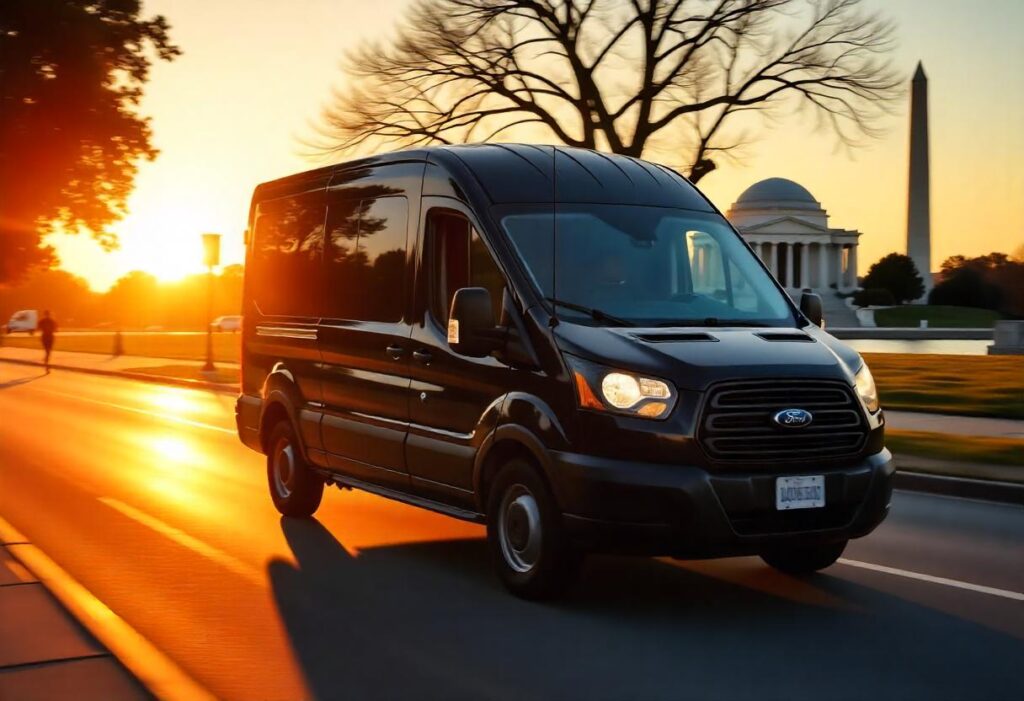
x=789 y=230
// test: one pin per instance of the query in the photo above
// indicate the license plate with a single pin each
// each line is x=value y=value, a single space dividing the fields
x=803 y=492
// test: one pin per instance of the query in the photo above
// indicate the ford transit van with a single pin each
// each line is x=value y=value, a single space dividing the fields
x=573 y=348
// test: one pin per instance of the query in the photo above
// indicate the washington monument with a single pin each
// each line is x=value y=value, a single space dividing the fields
x=919 y=234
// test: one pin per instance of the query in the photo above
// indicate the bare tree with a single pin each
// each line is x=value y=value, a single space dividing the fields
x=629 y=76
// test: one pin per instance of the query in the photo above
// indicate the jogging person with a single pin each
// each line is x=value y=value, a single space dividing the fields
x=47 y=329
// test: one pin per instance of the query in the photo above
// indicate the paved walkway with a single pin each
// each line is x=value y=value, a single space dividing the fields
x=97 y=361
x=956 y=425
x=46 y=654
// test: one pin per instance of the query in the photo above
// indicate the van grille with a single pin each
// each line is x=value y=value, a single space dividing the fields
x=737 y=422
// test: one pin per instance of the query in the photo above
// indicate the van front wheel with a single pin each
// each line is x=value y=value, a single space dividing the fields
x=528 y=544
x=295 y=489
x=804 y=560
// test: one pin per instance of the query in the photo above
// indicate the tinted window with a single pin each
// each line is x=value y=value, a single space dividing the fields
x=286 y=256
x=457 y=257
x=381 y=253
x=365 y=262
x=341 y=279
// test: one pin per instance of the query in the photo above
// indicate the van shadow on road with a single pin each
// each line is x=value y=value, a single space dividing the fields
x=428 y=620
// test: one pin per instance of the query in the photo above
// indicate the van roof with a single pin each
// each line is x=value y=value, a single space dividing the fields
x=520 y=173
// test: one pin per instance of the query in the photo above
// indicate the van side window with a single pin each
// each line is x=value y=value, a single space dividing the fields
x=457 y=257
x=286 y=256
x=365 y=261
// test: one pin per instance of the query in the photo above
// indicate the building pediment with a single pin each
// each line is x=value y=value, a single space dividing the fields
x=785 y=225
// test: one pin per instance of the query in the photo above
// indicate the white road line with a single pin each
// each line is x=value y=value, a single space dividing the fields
x=182 y=538
x=145 y=412
x=981 y=589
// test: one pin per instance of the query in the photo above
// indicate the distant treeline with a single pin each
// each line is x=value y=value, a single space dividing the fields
x=136 y=301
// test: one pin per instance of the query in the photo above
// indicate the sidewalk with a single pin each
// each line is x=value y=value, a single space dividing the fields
x=977 y=426
x=132 y=366
x=44 y=653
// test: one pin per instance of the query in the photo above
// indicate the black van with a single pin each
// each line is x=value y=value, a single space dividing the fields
x=574 y=348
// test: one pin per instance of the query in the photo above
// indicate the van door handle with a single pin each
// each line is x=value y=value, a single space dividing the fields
x=395 y=352
x=422 y=356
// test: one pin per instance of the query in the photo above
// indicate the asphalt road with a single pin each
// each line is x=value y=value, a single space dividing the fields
x=145 y=496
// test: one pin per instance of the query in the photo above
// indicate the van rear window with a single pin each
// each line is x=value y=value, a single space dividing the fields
x=285 y=269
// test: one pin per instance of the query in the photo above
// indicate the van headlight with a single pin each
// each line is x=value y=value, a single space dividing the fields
x=865 y=385
x=621 y=391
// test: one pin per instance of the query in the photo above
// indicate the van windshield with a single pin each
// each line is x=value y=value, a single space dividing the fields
x=603 y=264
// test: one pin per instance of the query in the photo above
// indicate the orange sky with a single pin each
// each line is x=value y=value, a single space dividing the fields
x=229 y=114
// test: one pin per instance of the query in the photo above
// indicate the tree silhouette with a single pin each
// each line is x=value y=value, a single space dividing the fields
x=897 y=274
x=71 y=76
x=672 y=75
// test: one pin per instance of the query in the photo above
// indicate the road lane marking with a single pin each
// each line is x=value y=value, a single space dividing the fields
x=157 y=672
x=981 y=589
x=182 y=538
x=145 y=412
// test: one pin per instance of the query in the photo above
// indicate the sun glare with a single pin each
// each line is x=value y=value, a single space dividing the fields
x=164 y=240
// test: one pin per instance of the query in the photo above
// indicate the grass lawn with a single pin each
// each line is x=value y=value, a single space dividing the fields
x=937 y=316
x=973 y=385
x=226 y=346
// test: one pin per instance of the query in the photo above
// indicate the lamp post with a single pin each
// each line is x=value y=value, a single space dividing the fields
x=211 y=256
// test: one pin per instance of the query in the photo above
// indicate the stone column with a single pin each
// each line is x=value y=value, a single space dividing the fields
x=770 y=259
x=840 y=278
x=853 y=266
x=789 y=266
x=823 y=249
x=805 y=266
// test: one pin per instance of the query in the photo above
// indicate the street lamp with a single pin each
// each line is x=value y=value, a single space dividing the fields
x=211 y=257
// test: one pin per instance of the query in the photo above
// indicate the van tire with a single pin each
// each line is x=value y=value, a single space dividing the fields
x=529 y=547
x=295 y=488
x=805 y=560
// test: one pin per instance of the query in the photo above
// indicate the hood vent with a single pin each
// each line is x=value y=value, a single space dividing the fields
x=675 y=337
x=792 y=337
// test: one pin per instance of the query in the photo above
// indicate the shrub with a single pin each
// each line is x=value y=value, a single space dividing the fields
x=897 y=274
x=873 y=297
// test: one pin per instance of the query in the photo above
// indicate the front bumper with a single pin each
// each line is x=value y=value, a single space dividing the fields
x=655 y=509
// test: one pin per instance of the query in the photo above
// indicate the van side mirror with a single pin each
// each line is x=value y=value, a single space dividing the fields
x=471 y=328
x=810 y=306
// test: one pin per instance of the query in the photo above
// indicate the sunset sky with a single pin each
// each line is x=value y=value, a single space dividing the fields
x=231 y=112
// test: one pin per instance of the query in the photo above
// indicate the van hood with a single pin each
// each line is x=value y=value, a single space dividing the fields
x=694 y=358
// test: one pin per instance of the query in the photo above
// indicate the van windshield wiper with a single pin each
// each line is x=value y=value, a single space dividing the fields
x=592 y=312
x=712 y=321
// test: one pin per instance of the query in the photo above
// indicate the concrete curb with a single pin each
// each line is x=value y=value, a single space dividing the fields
x=140 y=376
x=987 y=490
x=153 y=670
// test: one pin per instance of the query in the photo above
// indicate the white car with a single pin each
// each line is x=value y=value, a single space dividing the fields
x=227 y=323
x=25 y=320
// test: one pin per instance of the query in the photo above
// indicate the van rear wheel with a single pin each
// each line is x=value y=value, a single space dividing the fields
x=805 y=560
x=528 y=544
x=295 y=489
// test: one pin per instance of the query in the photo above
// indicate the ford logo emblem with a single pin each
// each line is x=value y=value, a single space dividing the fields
x=793 y=418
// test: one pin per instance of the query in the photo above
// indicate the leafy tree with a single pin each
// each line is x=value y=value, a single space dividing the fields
x=71 y=77
x=625 y=76
x=897 y=274
x=994 y=281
